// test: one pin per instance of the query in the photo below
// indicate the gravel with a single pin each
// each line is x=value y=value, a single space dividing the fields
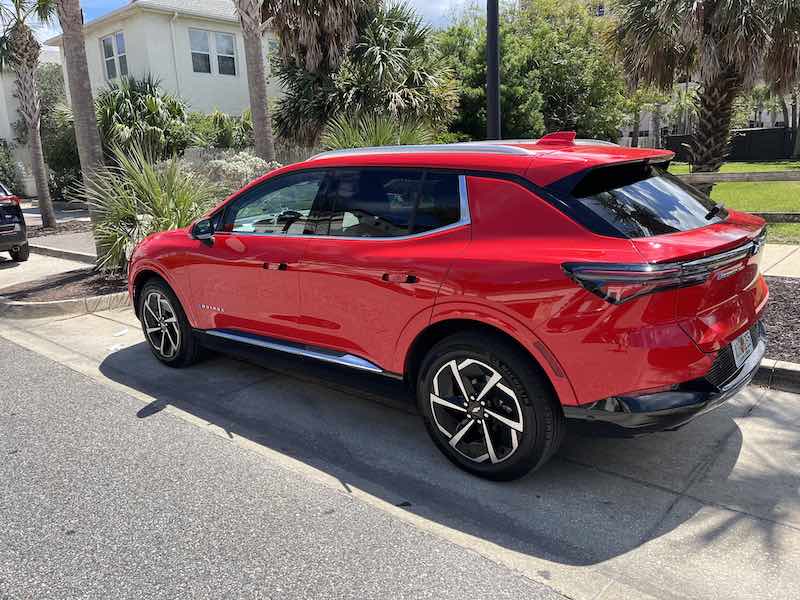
x=783 y=319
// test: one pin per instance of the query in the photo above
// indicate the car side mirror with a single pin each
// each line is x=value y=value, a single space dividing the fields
x=203 y=230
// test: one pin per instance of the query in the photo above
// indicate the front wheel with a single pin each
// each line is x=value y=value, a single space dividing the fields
x=487 y=406
x=165 y=326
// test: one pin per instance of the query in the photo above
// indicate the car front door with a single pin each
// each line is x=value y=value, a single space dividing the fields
x=246 y=277
x=379 y=262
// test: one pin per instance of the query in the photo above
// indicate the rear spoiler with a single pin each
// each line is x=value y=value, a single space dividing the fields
x=564 y=187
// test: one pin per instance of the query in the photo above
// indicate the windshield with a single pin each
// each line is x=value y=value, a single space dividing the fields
x=641 y=200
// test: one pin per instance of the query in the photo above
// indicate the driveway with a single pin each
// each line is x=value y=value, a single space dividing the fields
x=710 y=511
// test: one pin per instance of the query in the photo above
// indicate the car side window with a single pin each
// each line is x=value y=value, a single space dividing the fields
x=372 y=202
x=277 y=207
x=439 y=203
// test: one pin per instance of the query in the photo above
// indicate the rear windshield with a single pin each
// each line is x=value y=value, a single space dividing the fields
x=641 y=200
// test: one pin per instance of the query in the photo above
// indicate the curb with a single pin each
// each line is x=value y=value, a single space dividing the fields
x=65 y=254
x=779 y=375
x=12 y=309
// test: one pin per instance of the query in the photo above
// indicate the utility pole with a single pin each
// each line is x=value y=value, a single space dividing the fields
x=493 y=117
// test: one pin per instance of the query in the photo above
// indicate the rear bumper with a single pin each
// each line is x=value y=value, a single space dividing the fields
x=628 y=416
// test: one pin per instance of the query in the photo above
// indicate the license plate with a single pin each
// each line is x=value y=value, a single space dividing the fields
x=742 y=347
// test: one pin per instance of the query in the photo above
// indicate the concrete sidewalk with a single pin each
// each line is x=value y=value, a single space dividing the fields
x=781 y=260
x=710 y=511
x=36 y=267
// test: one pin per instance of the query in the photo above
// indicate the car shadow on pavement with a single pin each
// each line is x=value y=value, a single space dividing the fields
x=597 y=499
x=7 y=264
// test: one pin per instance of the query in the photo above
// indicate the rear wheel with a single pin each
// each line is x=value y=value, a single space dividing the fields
x=165 y=326
x=21 y=254
x=487 y=406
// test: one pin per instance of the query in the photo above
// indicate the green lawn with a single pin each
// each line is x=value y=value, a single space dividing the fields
x=759 y=197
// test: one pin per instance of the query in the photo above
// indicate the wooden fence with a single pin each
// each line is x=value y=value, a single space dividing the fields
x=761 y=177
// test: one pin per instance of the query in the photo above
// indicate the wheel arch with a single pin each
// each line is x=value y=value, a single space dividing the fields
x=437 y=331
x=139 y=281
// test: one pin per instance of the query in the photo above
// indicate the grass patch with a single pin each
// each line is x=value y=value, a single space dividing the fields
x=773 y=196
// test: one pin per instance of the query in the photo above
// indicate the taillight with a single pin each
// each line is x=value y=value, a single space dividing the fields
x=9 y=200
x=618 y=283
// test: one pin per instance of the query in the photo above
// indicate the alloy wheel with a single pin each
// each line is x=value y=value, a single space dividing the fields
x=477 y=410
x=161 y=324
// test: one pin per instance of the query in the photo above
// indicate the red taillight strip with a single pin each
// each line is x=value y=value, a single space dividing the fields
x=597 y=277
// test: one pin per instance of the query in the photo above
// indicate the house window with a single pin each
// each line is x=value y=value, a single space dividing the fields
x=115 y=55
x=644 y=133
x=213 y=52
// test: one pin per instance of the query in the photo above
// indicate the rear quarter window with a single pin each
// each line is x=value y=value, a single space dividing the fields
x=642 y=200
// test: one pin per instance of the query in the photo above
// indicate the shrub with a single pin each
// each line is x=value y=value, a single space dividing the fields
x=374 y=130
x=9 y=169
x=226 y=170
x=221 y=130
x=136 y=113
x=135 y=197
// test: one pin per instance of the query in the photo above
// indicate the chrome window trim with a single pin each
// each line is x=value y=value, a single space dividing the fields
x=464 y=220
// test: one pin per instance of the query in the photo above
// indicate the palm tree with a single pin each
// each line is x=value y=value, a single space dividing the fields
x=20 y=50
x=250 y=16
x=315 y=33
x=729 y=46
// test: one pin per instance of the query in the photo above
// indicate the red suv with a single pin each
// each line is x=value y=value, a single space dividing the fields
x=516 y=285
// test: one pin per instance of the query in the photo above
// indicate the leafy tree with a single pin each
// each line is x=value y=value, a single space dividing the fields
x=729 y=45
x=555 y=73
x=392 y=68
x=19 y=51
x=464 y=45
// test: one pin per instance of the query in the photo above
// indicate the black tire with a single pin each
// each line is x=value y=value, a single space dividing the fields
x=178 y=333
x=533 y=418
x=22 y=254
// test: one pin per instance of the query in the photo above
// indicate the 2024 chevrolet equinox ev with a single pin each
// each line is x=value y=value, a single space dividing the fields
x=517 y=286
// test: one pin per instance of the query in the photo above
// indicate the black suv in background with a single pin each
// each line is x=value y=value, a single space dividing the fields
x=13 y=234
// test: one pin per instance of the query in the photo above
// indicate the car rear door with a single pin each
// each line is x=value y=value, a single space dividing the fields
x=377 y=266
x=246 y=279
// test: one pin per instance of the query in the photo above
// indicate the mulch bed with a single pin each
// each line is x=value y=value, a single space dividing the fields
x=61 y=228
x=82 y=283
x=782 y=319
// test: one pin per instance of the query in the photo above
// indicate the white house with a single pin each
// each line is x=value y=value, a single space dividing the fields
x=194 y=48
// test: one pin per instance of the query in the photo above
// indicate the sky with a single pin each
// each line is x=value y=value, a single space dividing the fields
x=435 y=12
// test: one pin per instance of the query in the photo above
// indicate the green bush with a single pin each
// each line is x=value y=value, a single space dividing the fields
x=136 y=112
x=221 y=130
x=374 y=130
x=136 y=196
x=9 y=169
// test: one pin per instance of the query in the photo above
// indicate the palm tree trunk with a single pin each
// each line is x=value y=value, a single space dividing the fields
x=40 y=175
x=87 y=135
x=710 y=145
x=250 y=17
x=637 y=117
x=30 y=109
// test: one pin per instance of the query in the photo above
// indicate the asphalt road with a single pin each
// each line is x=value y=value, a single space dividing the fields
x=98 y=502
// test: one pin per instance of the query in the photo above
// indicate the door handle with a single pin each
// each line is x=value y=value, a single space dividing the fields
x=275 y=266
x=399 y=278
